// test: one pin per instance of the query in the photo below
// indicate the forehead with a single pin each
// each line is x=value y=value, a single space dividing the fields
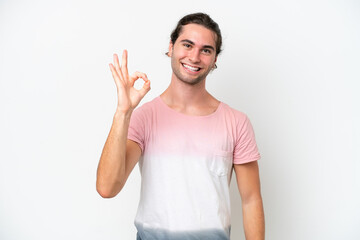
x=198 y=34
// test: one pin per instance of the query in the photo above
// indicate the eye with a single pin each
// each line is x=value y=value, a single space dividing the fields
x=186 y=45
x=207 y=51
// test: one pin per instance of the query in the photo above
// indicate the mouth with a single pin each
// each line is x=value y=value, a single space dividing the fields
x=191 y=68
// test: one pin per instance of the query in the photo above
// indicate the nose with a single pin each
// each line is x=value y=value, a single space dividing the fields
x=194 y=55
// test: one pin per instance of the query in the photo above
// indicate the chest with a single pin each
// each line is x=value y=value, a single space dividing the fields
x=193 y=135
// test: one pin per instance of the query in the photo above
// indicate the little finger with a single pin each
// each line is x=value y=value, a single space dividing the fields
x=114 y=74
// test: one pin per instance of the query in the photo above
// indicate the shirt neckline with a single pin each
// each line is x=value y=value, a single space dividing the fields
x=169 y=109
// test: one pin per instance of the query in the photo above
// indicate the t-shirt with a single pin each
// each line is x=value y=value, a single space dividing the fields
x=186 y=167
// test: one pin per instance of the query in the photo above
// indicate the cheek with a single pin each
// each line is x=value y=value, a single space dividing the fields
x=209 y=61
x=180 y=54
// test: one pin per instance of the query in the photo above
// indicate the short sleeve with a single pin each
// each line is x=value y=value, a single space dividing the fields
x=245 y=147
x=136 y=131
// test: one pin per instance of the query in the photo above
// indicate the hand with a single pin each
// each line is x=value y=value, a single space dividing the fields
x=128 y=96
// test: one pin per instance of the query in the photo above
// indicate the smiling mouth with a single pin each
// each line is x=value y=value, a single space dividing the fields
x=191 y=68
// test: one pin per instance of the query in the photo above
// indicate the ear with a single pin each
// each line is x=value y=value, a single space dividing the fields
x=215 y=63
x=171 y=46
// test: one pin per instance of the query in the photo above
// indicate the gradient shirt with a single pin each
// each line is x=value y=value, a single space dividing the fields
x=186 y=167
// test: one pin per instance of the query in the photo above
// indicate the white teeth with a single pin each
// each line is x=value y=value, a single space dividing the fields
x=194 y=69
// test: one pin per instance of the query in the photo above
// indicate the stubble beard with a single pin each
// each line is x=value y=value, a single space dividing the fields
x=188 y=80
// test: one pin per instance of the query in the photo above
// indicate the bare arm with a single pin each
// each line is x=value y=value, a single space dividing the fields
x=119 y=155
x=247 y=176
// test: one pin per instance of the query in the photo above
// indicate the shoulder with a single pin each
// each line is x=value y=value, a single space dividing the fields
x=238 y=120
x=146 y=108
x=234 y=114
x=142 y=116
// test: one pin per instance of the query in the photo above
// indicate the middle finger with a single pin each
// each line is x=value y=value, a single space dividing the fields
x=124 y=68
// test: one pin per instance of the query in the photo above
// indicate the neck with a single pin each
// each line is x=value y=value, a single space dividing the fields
x=189 y=99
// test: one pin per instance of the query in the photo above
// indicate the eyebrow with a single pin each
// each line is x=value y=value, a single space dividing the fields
x=192 y=43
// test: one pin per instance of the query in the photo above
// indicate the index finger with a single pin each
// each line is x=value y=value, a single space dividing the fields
x=124 y=68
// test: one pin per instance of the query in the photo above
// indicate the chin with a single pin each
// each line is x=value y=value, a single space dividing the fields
x=192 y=81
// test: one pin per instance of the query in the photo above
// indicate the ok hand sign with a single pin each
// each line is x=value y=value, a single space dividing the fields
x=128 y=96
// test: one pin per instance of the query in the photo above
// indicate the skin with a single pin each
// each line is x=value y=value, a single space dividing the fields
x=195 y=47
x=119 y=155
x=186 y=93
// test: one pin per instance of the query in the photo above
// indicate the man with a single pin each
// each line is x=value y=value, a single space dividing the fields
x=186 y=142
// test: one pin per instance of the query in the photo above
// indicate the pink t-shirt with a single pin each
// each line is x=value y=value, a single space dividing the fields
x=186 y=168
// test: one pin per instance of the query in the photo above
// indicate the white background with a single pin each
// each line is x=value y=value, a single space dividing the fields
x=291 y=66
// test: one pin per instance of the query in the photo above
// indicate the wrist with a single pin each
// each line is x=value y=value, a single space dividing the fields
x=124 y=115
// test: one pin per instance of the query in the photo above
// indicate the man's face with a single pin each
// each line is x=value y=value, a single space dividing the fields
x=193 y=55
